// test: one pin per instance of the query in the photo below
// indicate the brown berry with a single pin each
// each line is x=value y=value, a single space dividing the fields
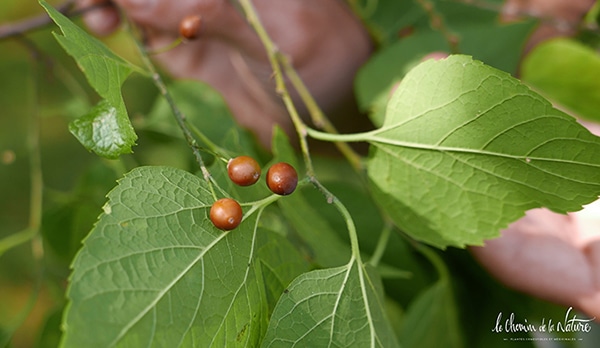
x=243 y=170
x=282 y=178
x=190 y=26
x=226 y=214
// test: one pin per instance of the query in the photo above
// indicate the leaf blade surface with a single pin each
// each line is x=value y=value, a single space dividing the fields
x=105 y=72
x=333 y=307
x=155 y=272
x=465 y=149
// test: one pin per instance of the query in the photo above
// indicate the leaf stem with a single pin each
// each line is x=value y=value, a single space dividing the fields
x=353 y=137
x=435 y=260
x=351 y=228
x=332 y=199
x=372 y=137
x=168 y=47
x=382 y=243
x=16 y=239
x=261 y=204
x=35 y=167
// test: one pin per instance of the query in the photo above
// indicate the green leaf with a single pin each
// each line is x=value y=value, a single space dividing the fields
x=432 y=320
x=466 y=149
x=389 y=65
x=155 y=272
x=339 y=307
x=384 y=18
x=105 y=72
x=432 y=317
x=567 y=72
x=49 y=336
x=473 y=26
x=67 y=220
x=102 y=131
x=324 y=245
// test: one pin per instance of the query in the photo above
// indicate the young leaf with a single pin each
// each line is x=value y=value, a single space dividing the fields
x=155 y=272
x=333 y=307
x=102 y=131
x=466 y=149
x=105 y=72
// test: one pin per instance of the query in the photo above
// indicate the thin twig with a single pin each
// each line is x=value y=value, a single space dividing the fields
x=318 y=117
x=43 y=20
x=179 y=116
x=280 y=87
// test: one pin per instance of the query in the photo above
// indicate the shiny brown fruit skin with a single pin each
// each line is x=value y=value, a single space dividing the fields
x=226 y=214
x=189 y=27
x=282 y=178
x=243 y=170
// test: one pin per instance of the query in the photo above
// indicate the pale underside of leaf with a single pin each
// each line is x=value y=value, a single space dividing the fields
x=466 y=149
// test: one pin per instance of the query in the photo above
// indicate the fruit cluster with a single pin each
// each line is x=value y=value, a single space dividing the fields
x=282 y=179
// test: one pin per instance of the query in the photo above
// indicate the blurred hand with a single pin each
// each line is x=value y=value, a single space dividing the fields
x=322 y=38
x=551 y=256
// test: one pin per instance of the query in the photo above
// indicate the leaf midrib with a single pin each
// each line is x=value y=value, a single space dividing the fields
x=421 y=146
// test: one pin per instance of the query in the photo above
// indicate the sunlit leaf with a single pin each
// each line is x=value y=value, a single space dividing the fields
x=466 y=149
